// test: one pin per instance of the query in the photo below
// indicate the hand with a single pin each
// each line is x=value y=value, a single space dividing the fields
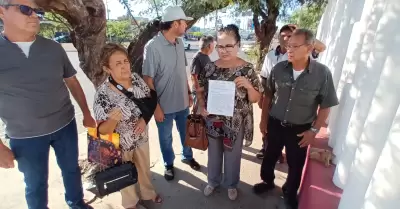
x=159 y=114
x=140 y=126
x=6 y=157
x=308 y=138
x=115 y=114
x=243 y=82
x=263 y=128
x=190 y=100
x=88 y=121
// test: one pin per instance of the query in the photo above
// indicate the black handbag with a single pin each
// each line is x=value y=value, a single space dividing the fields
x=146 y=105
x=115 y=178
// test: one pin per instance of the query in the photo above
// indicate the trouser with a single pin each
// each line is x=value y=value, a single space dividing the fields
x=141 y=158
x=218 y=156
x=165 y=136
x=280 y=135
x=32 y=155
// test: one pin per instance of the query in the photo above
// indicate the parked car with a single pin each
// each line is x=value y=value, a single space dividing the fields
x=185 y=43
x=63 y=39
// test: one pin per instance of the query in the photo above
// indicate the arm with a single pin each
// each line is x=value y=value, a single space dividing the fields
x=77 y=92
x=265 y=69
x=108 y=126
x=319 y=46
x=149 y=81
x=269 y=92
x=323 y=114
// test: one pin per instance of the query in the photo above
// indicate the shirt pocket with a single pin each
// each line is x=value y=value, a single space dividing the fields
x=306 y=96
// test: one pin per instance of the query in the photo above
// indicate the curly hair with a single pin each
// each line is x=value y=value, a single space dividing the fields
x=108 y=50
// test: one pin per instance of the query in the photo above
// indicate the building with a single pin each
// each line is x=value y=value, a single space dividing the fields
x=362 y=52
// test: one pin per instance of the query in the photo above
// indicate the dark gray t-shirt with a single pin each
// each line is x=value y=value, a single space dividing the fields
x=34 y=100
x=166 y=64
x=199 y=62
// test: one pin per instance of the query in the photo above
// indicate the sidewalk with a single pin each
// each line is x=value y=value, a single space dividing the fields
x=184 y=192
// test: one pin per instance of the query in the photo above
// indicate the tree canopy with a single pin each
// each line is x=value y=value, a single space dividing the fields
x=308 y=16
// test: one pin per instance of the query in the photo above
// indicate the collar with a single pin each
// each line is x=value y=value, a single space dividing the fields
x=309 y=67
x=278 y=51
x=164 y=40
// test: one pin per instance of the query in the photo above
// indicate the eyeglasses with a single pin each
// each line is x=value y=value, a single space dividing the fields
x=227 y=48
x=291 y=47
x=27 y=10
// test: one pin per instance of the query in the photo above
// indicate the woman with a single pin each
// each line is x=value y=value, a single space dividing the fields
x=115 y=112
x=226 y=134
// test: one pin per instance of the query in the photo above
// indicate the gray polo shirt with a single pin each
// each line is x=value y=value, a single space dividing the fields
x=166 y=64
x=34 y=100
x=297 y=101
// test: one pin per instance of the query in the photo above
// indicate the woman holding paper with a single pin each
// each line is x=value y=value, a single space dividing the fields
x=228 y=127
x=115 y=112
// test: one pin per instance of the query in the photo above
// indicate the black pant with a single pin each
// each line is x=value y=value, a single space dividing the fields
x=280 y=135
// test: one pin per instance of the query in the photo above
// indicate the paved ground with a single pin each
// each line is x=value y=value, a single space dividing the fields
x=185 y=192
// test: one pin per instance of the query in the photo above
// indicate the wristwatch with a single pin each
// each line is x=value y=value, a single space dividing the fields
x=314 y=130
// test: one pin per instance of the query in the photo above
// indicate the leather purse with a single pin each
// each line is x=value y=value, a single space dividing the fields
x=196 y=136
x=115 y=178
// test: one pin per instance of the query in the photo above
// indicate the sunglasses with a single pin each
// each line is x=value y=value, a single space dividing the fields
x=27 y=10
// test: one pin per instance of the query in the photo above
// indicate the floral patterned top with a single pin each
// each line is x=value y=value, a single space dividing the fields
x=106 y=99
x=224 y=127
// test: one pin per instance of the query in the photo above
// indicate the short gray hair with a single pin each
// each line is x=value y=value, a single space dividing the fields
x=206 y=41
x=308 y=35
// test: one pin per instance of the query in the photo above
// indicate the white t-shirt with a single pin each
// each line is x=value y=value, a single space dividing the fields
x=296 y=73
x=272 y=58
x=25 y=47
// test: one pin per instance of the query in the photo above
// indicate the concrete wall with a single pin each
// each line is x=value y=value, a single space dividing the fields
x=363 y=43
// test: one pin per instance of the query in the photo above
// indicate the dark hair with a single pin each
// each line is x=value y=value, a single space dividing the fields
x=288 y=27
x=166 y=25
x=108 y=50
x=206 y=41
x=308 y=35
x=232 y=30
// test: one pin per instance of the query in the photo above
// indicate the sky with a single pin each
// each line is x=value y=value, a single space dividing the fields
x=117 y=9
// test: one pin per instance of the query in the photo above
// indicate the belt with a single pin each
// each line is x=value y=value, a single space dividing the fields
x=287 y=124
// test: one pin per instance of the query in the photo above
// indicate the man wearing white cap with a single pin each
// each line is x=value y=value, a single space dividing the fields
x=164 y=69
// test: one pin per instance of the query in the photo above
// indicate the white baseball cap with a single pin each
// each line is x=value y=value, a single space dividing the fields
x=173 y=13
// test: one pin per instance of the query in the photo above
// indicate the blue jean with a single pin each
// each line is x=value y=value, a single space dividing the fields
x=32 y=155
x=165 y=136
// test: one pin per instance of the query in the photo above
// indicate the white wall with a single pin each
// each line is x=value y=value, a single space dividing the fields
x=363 y=52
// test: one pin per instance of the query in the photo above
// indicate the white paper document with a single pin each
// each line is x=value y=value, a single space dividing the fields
x=221 y=97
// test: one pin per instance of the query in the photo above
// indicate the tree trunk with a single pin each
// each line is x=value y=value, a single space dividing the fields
x=88 y=22
x=265 y=30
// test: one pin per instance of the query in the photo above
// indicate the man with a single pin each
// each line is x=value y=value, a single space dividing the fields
x=36 y=107
x=294 y=91
x=164 y=69
x=278 y=55
x=201 y=59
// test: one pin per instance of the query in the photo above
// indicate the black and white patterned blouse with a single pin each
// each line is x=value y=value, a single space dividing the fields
x=106 y=99
x=224 y=127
